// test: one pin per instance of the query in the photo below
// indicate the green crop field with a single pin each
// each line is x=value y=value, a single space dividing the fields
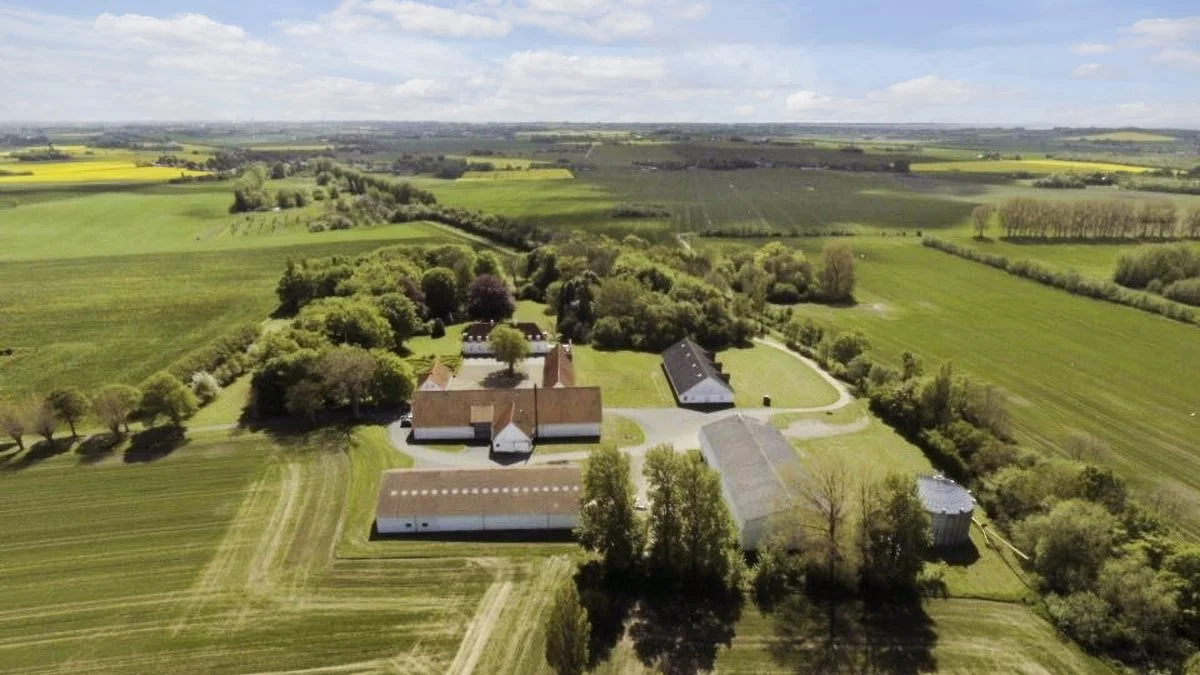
x=1069 y=364
x=113 y=285
x=518 y=175
x=1034 y=166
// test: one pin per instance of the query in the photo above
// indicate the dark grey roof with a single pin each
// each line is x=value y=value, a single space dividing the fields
x=942 y=495
x=688 y=364
x=757 y=464
x=481 y=329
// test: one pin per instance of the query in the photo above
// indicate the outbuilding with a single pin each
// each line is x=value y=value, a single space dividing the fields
x=695 y=375
x=414 y=501
x=476 y=338
x=950 y=507
x=437 y=379
x=759 y=470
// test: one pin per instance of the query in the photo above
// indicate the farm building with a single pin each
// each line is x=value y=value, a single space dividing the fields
x=758 y=467
x=482 y=414
x=695 y=376
x=950 y=507
x=478 y=500
x=437 y=379
x=475 y=338
x=559 y=369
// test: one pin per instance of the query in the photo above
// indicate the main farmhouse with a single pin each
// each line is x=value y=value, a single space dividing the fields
x=509 y=420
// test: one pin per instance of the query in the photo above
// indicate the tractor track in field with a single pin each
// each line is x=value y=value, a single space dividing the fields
x=480 y=628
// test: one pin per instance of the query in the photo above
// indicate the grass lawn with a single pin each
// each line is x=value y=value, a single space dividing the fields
x=844 y=415
x=615 y=430
x=227 y=407
x=758 y=370
x=628 y=379
x=1067 y=363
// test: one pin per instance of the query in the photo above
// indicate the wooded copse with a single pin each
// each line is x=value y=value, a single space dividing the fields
x=1024 y=218
x=1172 y=270
x=1111 y=570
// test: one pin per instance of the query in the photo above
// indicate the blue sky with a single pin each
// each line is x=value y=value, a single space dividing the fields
x=1032 y=62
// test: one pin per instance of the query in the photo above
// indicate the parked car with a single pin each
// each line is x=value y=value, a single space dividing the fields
x=406 y=419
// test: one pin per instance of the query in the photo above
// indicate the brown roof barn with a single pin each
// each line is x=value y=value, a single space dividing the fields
x=439 y=374
x=559 y=368
x=567 y=405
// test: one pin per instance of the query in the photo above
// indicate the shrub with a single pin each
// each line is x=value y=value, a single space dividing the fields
x=204 y=386
x=1186 y=291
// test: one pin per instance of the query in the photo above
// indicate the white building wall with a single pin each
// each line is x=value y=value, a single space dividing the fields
x=707 y=390
x=539 y=347
x=511 y=439
x=418 y=524
x=430 y=385
x=443 y=433
x=583 y=430
x=472 y=348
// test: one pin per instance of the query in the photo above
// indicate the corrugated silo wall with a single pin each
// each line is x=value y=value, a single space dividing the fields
x=951 y=529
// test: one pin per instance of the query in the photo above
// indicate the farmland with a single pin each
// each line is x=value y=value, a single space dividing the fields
x=1125 y=137
x=92 y=172
x=519 y=175
x=1068 y=364
x=1033 y=166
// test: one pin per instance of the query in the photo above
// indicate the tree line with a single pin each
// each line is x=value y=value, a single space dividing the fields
x=1110 y=568
x=1074 y=282
x=1025 y=218
x=1169 y=270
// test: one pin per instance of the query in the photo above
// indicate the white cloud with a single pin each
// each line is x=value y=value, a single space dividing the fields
x=419 y=17
x=743 y=110
x=1188 y=59
x=1092 y=48
x=927 y=89
x=546 y=71
x=1163 y=32
x=1092 y=71
x=1138 y=113
x=805 y=101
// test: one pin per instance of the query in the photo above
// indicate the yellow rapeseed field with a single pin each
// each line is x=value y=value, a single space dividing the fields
x=89 y=172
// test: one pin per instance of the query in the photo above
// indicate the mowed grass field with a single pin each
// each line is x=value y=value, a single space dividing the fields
x=519 y=175
x=1068 y=364
x=1034 y=166
x=253 y=553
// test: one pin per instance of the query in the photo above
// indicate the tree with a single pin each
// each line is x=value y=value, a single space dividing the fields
x=823 y=503
x=440 y=287
x=837 y=272
x=1144 y=599
x=205 y=386
x=70 y=405
x=164 y=395
x=352 y=321
x=894 y=534
x=567 y=632
x=666 y=521
x=113 y=405
x=348 y=373
x=509 y=346
x=981 y=217
x=13 y=419
x=709 y=536
x=401 y=314
x=607 y=524
x=42 y=420
x=305 y=399
x=1069 y=544
x=490 y=299
x=394 y=382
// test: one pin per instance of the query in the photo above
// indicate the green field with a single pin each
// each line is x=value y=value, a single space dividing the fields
x=1067 y=363
x=518 y=175
x=111 y=286
x=757 y=371
x=1034 y=166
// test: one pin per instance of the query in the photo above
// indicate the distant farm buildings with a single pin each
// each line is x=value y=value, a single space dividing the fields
x=695 y=376
x=475 y=338
x=758 y=467
x=950 y=507
x=478 y=500
x=559 y=369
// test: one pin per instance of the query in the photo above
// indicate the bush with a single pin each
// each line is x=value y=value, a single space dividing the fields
x=1186 y=291
x=204 y=386
x=437 y=329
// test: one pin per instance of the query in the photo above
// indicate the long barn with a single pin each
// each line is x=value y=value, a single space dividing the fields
x=419 y=501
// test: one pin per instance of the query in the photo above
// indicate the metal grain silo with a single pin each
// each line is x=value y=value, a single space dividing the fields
x=950 y=507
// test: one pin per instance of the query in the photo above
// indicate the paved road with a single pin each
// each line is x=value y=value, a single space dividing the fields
x=675 y=426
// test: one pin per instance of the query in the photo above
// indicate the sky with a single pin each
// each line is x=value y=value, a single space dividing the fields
x=1016 y=62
